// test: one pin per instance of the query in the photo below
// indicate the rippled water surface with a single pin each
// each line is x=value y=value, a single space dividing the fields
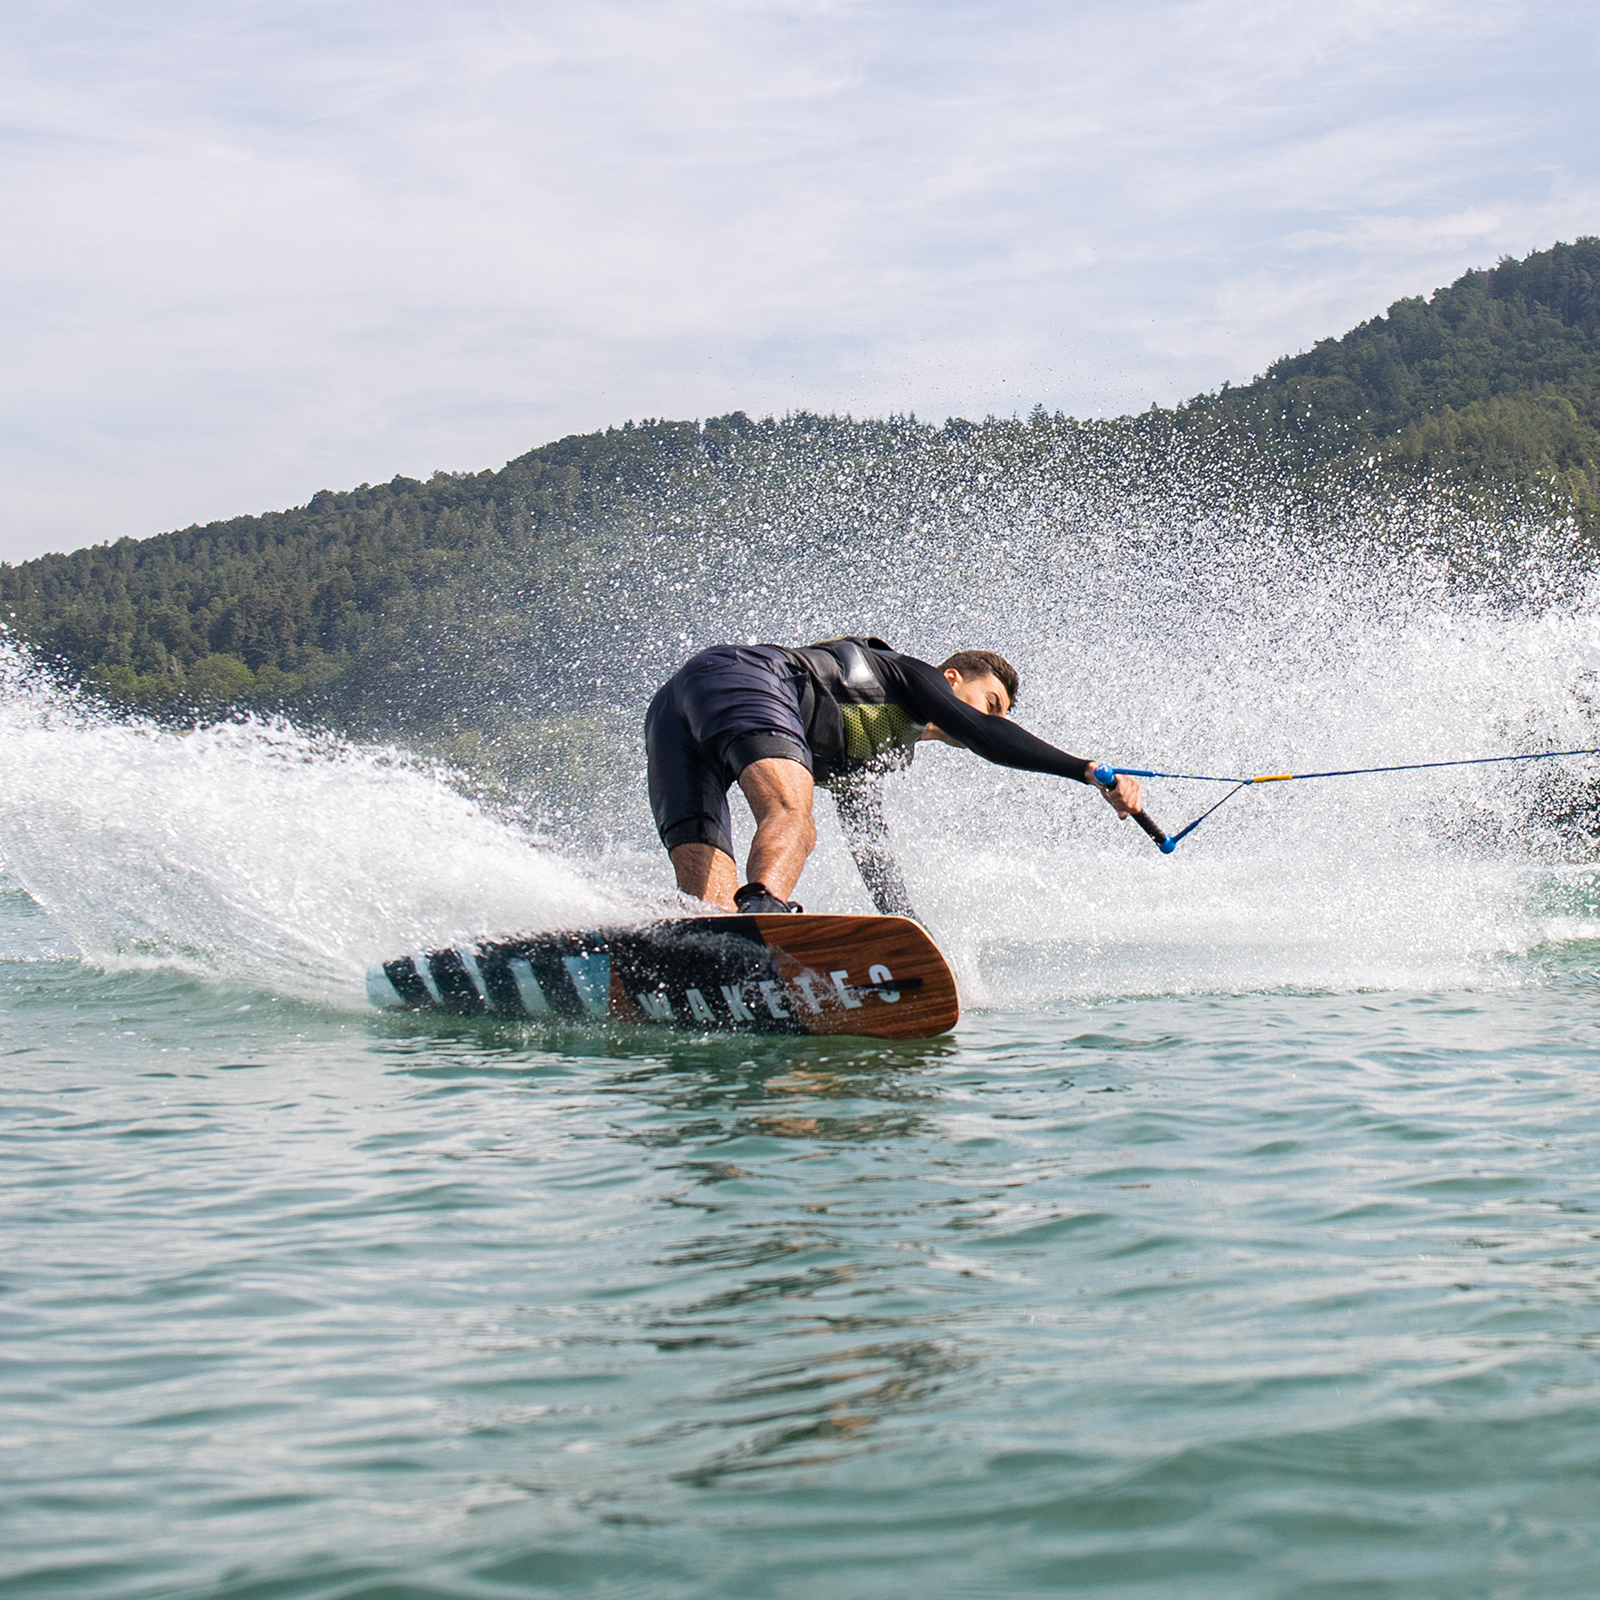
x=1273 y=1294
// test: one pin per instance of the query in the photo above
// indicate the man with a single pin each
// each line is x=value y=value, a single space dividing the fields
x=778 y=721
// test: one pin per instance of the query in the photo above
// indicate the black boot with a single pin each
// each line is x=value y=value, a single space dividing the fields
x=757 y=898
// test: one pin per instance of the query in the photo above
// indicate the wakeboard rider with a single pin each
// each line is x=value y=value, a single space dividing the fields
x=779 y=721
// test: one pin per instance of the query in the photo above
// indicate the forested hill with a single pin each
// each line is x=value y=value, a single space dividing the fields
x=400 y=603
x=1495 y=378
x=270 y=607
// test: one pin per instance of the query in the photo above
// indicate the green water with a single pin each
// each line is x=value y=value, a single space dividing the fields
x=1261 y=1294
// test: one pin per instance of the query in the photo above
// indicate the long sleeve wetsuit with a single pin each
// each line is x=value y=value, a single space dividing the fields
x=864 y=708
x=864 y=702
x=860 y=804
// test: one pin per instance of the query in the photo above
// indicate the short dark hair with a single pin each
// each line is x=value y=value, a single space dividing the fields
x=984 y=663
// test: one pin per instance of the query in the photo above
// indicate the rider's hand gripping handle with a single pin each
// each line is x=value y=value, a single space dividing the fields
x=1106 y=777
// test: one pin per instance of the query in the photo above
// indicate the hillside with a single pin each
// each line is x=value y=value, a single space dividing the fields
x=1494 y=380
x=475 y=600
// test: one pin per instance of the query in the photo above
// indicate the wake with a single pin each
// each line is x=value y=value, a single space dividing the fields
x=254 y=852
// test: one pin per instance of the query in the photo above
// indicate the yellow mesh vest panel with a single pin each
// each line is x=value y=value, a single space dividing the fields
x=871 y=731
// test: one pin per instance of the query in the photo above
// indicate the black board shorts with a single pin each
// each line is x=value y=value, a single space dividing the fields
x=723 y=708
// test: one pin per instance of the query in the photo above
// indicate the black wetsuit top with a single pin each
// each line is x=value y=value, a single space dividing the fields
x=866 y=705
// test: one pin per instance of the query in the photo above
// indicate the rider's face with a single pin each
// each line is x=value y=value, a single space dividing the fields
x=986 y=694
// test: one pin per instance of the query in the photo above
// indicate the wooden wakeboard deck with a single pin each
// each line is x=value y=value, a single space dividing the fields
x=798 y=974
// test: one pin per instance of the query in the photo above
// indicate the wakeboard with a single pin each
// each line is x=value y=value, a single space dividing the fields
x=796 y=974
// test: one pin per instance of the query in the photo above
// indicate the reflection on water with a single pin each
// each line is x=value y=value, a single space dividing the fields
x=724 y=1110
x=818 y=1409
x=721 y=1112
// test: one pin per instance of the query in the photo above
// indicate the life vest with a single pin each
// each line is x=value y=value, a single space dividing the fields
x=851 y=725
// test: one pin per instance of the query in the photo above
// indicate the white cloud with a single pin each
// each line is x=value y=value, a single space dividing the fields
x=256 y=249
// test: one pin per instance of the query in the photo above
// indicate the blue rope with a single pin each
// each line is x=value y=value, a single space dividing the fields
x=1344 y=772
x=1353 y=772
x=1192 y=777
x=1183 y=833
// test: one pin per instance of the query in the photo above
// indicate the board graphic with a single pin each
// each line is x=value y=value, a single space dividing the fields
x=878 y=976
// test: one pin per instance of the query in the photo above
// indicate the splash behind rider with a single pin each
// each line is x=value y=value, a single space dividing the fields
x=779 y=721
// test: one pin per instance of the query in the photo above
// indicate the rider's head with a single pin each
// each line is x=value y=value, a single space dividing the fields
x=986 y=682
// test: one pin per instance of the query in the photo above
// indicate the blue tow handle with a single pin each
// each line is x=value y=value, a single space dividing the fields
x=1106 y=777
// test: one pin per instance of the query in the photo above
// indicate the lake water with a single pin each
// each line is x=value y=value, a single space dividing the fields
x=1276 y=1294
x=1243 y=1241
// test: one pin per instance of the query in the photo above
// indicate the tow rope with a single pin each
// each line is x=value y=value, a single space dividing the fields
x=1107 y=776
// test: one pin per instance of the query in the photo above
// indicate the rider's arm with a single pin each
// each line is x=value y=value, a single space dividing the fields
x=926 y=695
x=860 y=803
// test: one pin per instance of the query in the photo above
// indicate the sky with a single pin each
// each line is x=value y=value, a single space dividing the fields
x=252 y=250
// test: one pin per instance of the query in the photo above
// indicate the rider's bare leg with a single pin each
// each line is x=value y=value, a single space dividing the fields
x=780 y=794
x=706 y=872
